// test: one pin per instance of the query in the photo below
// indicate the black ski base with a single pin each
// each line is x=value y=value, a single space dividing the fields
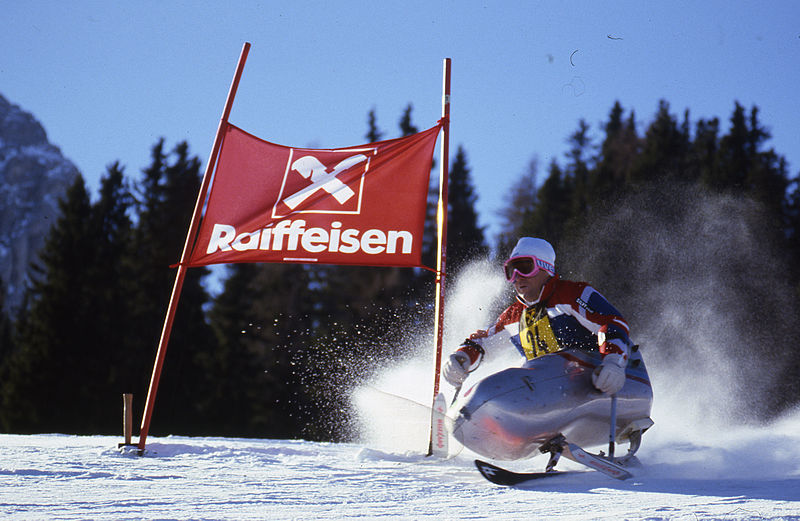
x=508 y=478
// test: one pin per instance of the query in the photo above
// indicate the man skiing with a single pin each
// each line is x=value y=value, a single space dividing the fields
x=549 y=315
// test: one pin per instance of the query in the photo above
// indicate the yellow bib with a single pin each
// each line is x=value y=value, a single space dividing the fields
x=537 y=336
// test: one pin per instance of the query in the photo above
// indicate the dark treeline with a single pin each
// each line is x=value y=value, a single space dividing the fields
x=274 y=353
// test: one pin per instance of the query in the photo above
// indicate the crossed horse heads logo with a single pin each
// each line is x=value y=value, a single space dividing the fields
x=309 y=167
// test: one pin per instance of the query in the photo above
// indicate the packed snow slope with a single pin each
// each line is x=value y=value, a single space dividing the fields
x=744 y=473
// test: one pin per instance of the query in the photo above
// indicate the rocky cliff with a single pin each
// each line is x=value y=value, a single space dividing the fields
x=33 y=177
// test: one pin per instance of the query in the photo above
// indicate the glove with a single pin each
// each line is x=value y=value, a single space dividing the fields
x=456 y=368
x=609 y=377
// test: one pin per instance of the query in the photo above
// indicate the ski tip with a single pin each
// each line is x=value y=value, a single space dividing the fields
x=491 y=472
x=507 y=478
x=482 y=465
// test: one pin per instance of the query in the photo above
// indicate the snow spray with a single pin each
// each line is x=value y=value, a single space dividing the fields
x=392 y=410
x=702 y=287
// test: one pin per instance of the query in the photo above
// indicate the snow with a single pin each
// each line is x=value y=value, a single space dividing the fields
x=750 y=473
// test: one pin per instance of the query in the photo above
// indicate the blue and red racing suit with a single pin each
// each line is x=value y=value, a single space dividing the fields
x=567 y=315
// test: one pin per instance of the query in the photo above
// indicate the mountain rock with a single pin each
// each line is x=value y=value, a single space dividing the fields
x=34 y=175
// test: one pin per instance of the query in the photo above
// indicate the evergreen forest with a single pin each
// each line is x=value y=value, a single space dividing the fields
x=647 y=212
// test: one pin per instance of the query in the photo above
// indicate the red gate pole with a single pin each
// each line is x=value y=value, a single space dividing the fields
x=187 y=247
x=441 y=221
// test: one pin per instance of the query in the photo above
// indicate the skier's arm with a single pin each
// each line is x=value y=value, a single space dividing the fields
x=603 y=319
x=463 y=361
x=596 y=314
x=470 y=353
x=474 y=345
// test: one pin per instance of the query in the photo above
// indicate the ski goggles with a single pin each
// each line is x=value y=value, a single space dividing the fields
x=527 y=266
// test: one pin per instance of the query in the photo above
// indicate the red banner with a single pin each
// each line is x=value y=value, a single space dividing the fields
x=361 y=205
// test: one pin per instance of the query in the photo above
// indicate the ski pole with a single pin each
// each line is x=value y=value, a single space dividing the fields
x=612 y=433
x=455 y=395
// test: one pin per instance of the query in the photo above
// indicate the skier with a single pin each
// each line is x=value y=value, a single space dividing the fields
x=550 y=314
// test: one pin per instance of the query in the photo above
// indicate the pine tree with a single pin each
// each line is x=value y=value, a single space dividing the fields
x=6 y=330
x=549 y=217
x=791 y=227
x=577 y=171
x=744 y=167
x=111 y=224
x=519 y=203
x=767 y=178
x=38 y=391
x=734 y=153
x=59 y=378
x=167 y=195
x=665 y=149
x=618 y=152
x=407 y=128
x=262 y=325
x=109 y=334
x=373 y=134
x=465 y=239
x=704 y=153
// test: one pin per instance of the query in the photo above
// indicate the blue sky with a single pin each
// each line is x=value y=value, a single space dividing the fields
x=107 y=79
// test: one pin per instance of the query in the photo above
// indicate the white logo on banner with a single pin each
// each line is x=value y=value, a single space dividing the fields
x=327 y=174
x=310 y=168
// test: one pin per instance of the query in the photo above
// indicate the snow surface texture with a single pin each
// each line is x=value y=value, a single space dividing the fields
x=752 y=474
x=703 y=459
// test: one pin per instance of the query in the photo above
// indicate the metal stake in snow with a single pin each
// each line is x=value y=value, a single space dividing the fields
x=127 y=419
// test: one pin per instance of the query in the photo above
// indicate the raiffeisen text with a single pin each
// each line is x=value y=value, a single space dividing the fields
x=290 y=235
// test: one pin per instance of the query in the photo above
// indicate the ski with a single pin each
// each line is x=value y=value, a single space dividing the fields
x=508 y=478
x=598 y=463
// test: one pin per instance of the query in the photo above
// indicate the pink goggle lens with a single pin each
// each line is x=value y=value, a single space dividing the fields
x=527 y=266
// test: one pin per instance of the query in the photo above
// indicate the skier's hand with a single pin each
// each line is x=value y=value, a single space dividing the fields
x=481 y=333
x=609 y=377
x=456 y=368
